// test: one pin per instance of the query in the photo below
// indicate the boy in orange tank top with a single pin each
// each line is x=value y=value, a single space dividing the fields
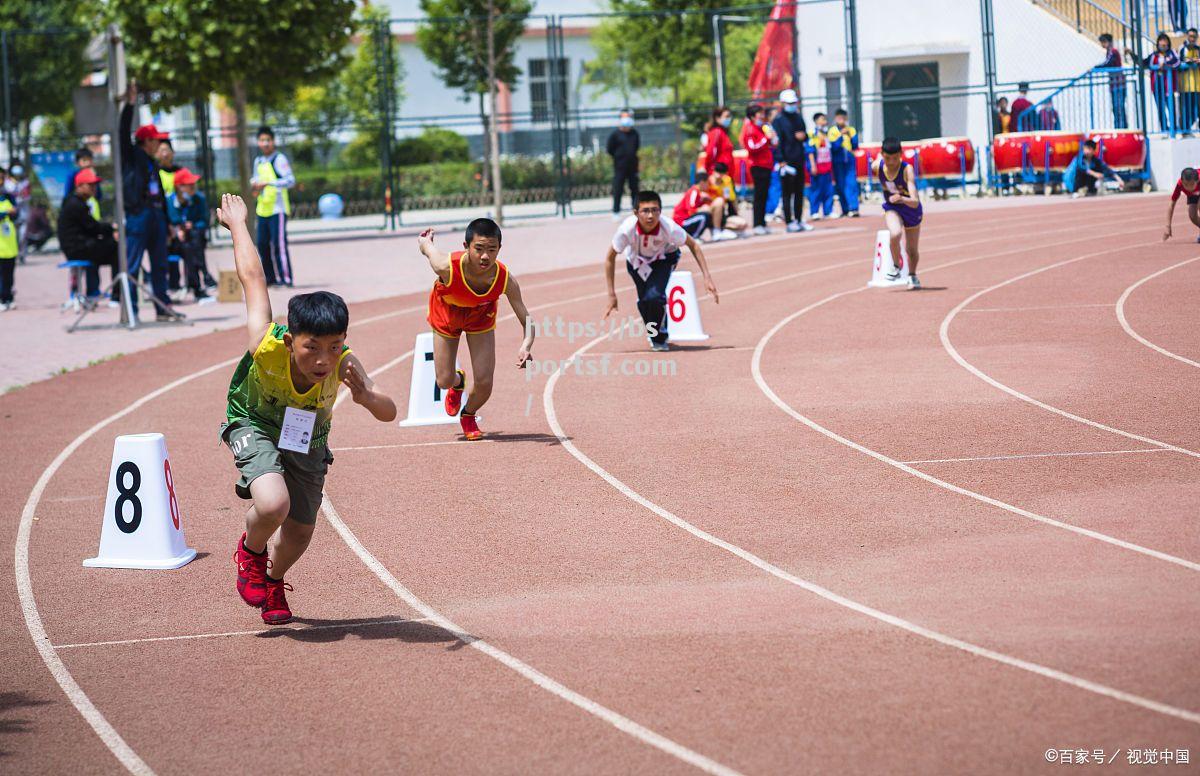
x=464 y=301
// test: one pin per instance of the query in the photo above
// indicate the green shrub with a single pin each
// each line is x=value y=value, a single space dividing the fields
x=434 y=144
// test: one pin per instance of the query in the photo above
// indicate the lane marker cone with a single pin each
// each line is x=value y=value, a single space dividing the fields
x=683 y=309
x=141 y=527
x=883 y=264
x=425 y=398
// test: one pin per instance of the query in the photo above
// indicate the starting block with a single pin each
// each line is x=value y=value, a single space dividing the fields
x=883 y=263
x=141 y=528
x=683 y=309
x=425 y=407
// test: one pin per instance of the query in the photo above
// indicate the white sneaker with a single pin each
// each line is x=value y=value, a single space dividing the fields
x=727 y=234
x=618 y=217
x=5 y=307
x=1076 y=194
x=206 y=300
x=794 y=226
x=761 y=230
x=806 y=227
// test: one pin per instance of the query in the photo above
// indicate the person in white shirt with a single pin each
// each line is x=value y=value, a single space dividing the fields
x=651 y=247
x=271 y=180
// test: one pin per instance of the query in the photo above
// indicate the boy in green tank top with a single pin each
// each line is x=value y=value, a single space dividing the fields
x=280 y=405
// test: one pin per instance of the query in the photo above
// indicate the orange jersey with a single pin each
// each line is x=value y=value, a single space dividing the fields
x=455 y=308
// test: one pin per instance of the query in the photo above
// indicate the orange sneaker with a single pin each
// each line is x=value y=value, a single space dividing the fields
x=454 y=396
x=470 y=427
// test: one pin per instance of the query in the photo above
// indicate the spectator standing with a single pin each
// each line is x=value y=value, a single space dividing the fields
x=1019 y=106
x=761 y=161
x=82 y=236
x=9 y=247
x=792 y=160
x=1163 y=66
x=145 y=206
x=820 y=163
x=272 y=178
x=166 y=175
x=1189 y=81
x=843 y=141
x=83 y=161
x=1116 y=80
x=21 y=191
x=1047 y=117
x=623 y=146
x=718 y=147
x=187 y=210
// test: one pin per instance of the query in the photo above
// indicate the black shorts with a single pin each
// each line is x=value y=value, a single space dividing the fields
x=697 y=224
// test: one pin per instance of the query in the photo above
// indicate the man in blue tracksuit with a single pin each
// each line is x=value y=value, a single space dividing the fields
x=843 y=140
x=145 y=205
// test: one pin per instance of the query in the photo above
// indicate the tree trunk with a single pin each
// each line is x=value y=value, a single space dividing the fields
x=243 y=147
x=493 y=126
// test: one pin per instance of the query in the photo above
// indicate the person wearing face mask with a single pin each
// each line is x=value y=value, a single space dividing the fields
x=718 y=148
x=1163 y=66
x=762 y=161
x=623 y=146
x=790 y=160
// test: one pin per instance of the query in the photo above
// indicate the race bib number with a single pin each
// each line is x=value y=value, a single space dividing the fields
x=296 y=434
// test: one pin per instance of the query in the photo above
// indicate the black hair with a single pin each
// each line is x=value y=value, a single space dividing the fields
x=841 y=112
x=1189 y=174
x=1023 y=86
x=318 y=314
x=482 y=227
x=167 y=143
x=721 y=167
x=1190 y=30
x=1089 y=143
x=83 y=153
x=1161 y=37
x=753 y=110
x=891 y=145
x=819 y=115
x=1106 y=38
x=649 y=196
x=265 y=130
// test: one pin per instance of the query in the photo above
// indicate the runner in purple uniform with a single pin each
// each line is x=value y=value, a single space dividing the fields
x=901 y=209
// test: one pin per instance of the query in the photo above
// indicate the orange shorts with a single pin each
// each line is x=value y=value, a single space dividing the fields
x=451 y=320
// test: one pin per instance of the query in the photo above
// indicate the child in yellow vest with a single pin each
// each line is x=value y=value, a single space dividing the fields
x=9 y=248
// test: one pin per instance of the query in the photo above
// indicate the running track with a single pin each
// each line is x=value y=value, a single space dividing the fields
x=856 y=531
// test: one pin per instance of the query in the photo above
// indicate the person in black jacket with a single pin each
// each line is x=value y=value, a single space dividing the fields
x=623 y=145
x=791 y=160
x=145 y=204
x=81 y=237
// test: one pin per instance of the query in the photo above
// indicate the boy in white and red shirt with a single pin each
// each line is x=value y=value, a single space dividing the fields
x=650 y=245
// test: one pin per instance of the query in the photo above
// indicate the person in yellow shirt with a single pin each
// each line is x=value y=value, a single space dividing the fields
x=843 y=140
x=1189 y=81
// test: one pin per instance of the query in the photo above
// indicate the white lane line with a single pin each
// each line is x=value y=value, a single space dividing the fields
x=412 y=444
x=1129 y=329
x=950 y=641
x=33 y=620
x=620 y=722
x=1026 y=309
x=944 y=335
x=1039 y=455
x=260 y=632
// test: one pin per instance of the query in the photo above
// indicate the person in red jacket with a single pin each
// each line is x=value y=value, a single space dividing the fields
x=718 y=148
x=762 y=162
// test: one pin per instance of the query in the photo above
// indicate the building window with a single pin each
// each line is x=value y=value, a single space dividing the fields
x=833 y=93
x=540 y=78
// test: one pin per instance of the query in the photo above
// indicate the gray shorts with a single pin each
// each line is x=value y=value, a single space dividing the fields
x=255 y=454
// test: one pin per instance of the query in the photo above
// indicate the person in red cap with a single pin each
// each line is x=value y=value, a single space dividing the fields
x=82 y=236
x=145 y=205
x=187 y=211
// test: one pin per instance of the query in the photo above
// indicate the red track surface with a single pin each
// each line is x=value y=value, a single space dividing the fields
x=856 y=531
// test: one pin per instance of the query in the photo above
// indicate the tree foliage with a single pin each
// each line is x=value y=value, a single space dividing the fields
x=455 y=41
x=45 y=55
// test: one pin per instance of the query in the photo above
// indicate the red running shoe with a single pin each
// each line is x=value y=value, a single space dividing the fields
x=251 y=574
x=470 y=427
x=275 y=609
x=454 y=395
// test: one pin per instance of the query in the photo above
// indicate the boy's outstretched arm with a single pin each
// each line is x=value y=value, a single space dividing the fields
x=610 y=269
x=232 y=215
x=1170 y=218
x=513 y=292
x=362 y=390
x=438 y=261
x=698 y=253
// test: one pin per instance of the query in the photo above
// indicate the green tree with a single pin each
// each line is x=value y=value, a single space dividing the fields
x=249 y=52
x=456 y=40
x=45 y=60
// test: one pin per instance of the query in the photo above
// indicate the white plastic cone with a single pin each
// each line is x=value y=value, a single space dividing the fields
x=683 y=309
x=425 y=398
x=142 y=527
x=882 y=263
